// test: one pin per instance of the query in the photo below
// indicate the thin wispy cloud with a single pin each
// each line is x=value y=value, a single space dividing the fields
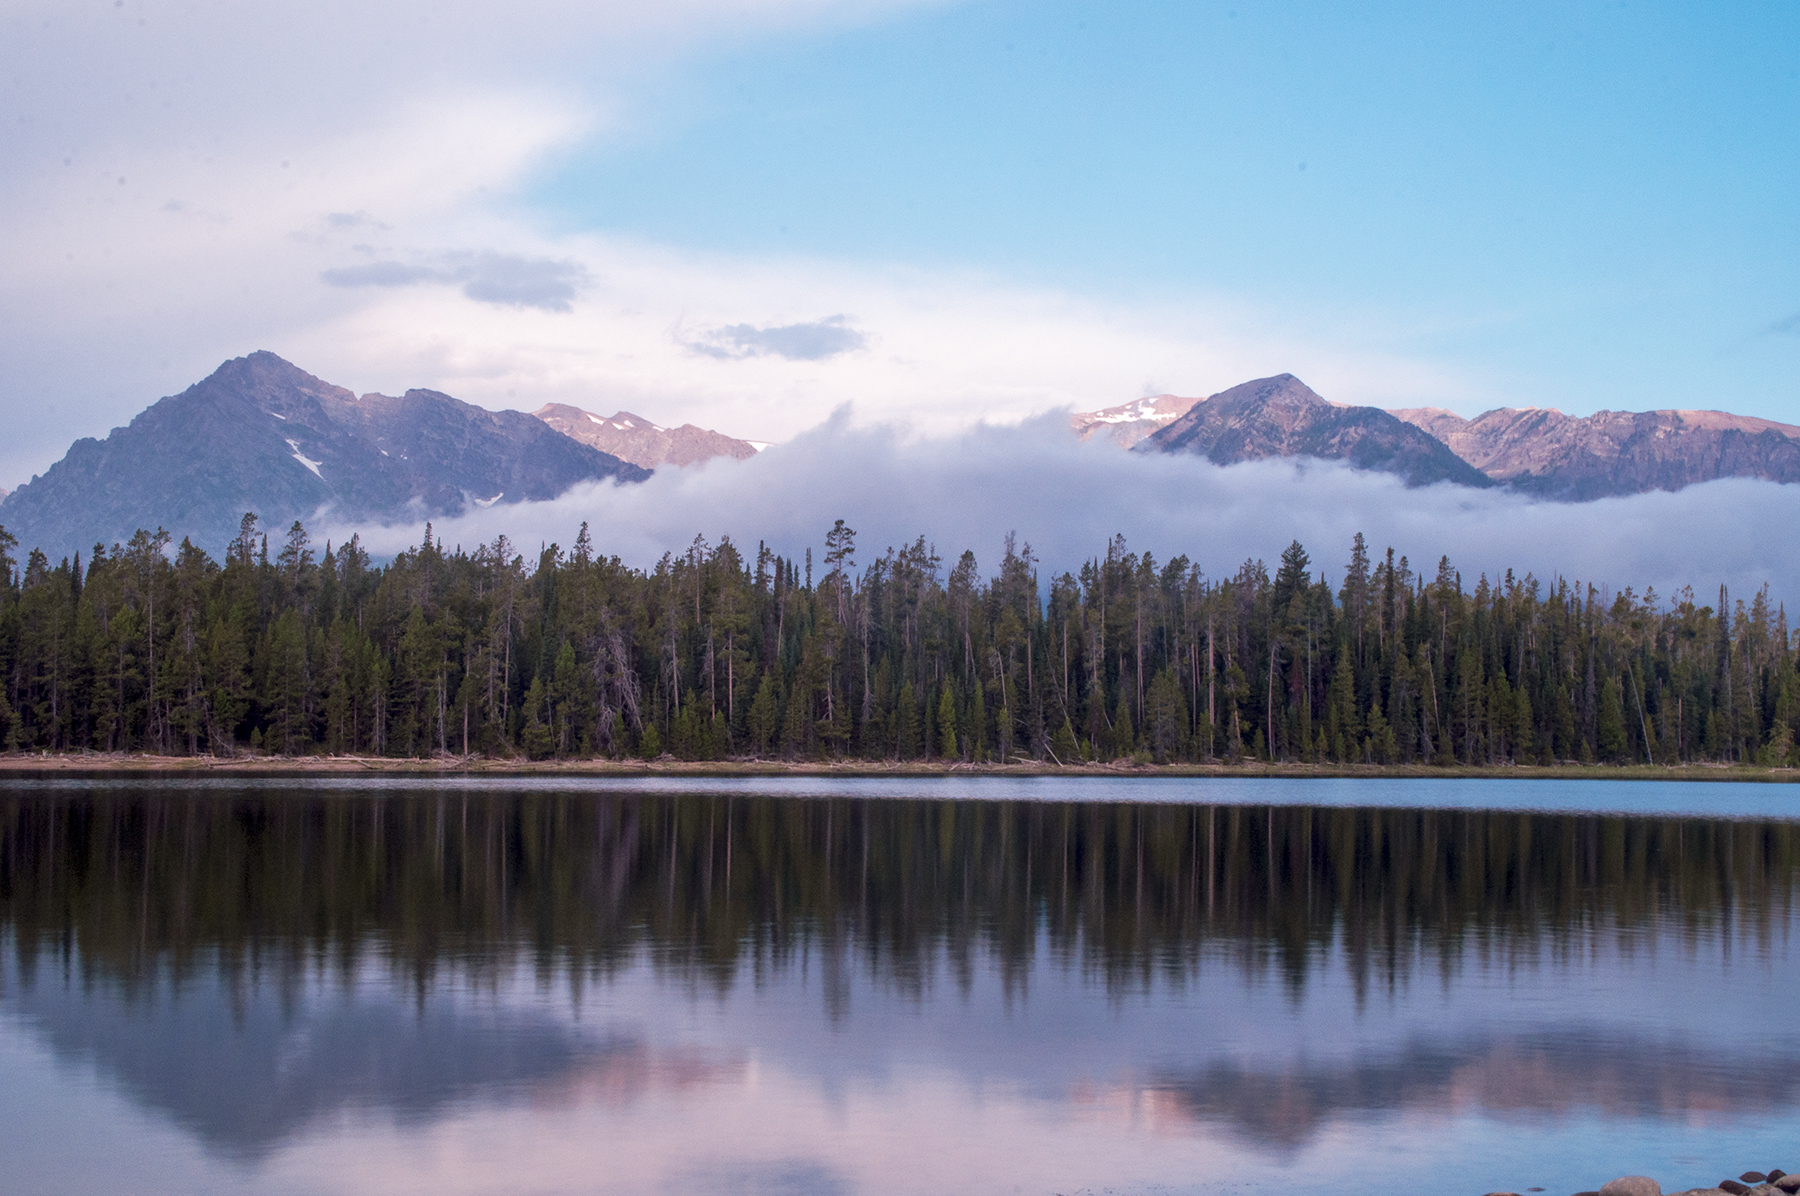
x=795 y=342
x=382 y=274
x=503 y=279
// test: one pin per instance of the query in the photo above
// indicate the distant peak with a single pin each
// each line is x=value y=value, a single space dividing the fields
x=1260 y=390
x=630 y=437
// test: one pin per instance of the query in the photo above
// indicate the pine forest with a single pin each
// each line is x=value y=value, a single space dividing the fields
x=716 y=654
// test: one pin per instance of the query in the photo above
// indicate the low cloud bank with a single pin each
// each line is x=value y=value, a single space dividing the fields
x=1066 y=498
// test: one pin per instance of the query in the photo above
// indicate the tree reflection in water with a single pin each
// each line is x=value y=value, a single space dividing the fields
x=193 y=908
x=1132 y=893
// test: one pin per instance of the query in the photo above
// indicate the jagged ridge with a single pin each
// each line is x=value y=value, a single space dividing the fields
x=1544 y=452
x=263 y=435
x=633 y=438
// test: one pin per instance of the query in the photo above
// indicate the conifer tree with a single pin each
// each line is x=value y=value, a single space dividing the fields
x=763 y=715
x=946 y=720
x=1165 y=718
x=1610 y=725
x=906 y=735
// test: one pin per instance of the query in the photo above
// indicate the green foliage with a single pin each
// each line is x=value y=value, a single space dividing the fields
x=946 y=720
x=1166 y=718
x=1124 y=737
x=906 y=735
x=537 y=741
x=1610 y=724
x=764 y=716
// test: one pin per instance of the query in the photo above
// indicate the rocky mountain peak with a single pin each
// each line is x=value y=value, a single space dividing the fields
x=1281 y=416
x=260 y=434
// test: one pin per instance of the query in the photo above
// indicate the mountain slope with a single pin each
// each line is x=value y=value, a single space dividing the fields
x=635 y=439
x=1129 y=423
x=262 y=435
x=1282 y=417
x=1544 y=452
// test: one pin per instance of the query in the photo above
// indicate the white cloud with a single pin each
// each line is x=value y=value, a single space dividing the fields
x=270 y=152
x=1066 y=498
x=178 y=174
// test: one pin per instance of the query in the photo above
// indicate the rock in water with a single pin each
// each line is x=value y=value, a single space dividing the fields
x=1632 y=1185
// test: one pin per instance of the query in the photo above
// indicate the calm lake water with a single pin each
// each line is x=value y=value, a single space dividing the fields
x=837 y=986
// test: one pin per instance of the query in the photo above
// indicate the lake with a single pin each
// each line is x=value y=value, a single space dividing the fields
x=835 y=986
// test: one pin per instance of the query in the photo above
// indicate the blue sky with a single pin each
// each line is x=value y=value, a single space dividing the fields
x=1588 y=205
x=993 y=209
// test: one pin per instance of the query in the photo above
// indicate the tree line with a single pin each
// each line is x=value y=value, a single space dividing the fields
x=715 y=654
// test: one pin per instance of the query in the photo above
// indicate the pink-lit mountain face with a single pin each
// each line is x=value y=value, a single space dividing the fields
x=1539 y=451
x=635 y=439
x=1542 y=451
x=1283 y=417
x=1129 y=423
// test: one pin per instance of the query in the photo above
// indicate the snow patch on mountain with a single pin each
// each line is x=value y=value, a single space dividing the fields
x=305 y=460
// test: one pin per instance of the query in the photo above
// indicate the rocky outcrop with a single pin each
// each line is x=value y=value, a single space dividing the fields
x=1129 y=423
x=264 y=436
x=635 y=439
x=1544 y=452
x=1282 y=417
x=1750 y=1183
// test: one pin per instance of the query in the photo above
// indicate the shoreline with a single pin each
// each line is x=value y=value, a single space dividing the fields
x=20 y=765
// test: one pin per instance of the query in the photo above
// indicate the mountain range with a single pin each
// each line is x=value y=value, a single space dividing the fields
x=1539 y=451
x=263 y=435
x=1544 y=452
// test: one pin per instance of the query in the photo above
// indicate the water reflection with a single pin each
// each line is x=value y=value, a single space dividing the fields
x=254 y=965
x=1548 y=1074
x=244 y=1060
